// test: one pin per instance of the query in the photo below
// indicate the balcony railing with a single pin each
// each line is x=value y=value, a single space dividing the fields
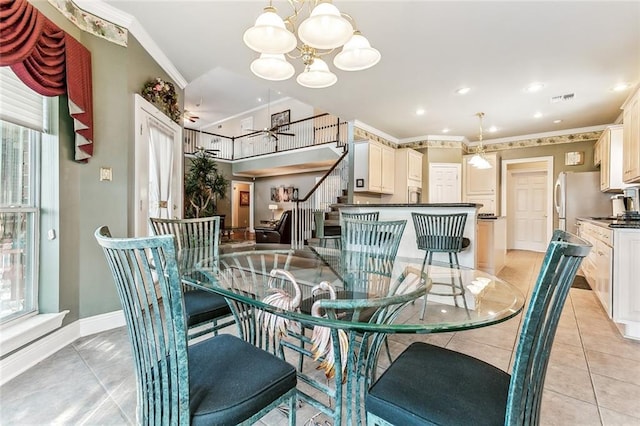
x=317 y=130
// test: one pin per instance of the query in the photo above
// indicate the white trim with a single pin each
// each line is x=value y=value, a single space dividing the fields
x=543 y=135
x=118 y=17
x=550 y=185
x=450 y=138
x=25 y=358
x=359 y=124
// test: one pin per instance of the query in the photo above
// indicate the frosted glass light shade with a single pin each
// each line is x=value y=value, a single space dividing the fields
x=272 y=67
x=325 y=28
x=357 y=54
x=317 y=75
x=269 y=35
x=479 y=162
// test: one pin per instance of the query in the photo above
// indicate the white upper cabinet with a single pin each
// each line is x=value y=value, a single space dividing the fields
x=609 y=147
x=374 y=165
x=631 y=139
x=481 y=185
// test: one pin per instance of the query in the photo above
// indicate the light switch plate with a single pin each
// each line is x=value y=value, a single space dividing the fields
x=105 y=174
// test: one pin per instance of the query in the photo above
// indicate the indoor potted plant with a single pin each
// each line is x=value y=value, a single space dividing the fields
x=204 y=185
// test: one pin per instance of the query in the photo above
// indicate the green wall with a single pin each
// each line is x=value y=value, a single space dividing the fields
x=85 y=284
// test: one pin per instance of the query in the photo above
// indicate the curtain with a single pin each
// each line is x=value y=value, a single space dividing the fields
x=160 y=170
x=51 y=63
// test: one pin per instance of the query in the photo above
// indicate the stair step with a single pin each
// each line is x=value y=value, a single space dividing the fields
x=331 y=223
x=332 y=215
x=343 y=199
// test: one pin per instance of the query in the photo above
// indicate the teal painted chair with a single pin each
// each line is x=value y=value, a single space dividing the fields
x=361 y=216
x=214 y=381
x=197 y=239
x=318 y=220
x=429 y=385
x=442 y=233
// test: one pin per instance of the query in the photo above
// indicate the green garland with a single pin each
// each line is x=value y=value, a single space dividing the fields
x=163 y=95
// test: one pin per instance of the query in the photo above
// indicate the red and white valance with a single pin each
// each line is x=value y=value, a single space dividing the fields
x=51 y=63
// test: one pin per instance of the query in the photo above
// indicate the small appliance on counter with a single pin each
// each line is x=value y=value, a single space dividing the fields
x=618 y=204
x=632 y=204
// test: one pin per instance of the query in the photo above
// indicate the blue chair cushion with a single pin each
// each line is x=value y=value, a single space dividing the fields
x=230 y=380
x=428 y=384
x=202 y=305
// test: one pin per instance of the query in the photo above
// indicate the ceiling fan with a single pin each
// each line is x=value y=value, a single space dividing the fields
x=189 y=116
x=204 y=151
x=275 y=130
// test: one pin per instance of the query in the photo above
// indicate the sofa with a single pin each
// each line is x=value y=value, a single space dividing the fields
x=280 y=233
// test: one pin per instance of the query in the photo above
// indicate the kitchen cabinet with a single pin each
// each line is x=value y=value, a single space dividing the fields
x=626 y=294
x=374 y=165
x=492 y=244
x=408 y=172
x=481 y=185
x=631 y=139
x=597 y=266
x=609 y=147
x=597 y=152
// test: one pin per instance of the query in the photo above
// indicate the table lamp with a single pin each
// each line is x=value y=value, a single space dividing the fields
x=273 y=208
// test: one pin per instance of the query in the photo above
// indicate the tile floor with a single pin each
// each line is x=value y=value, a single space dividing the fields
x=593 y=376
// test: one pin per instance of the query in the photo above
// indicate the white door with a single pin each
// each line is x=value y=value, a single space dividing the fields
x=444 y=183
x=158 y=167
x=528 y=210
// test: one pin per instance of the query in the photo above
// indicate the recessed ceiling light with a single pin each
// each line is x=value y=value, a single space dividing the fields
x=420 y=111
x=557 y=121
x=534 y=87
x=259 y=99
x=621 y=87
x=537 y=115
x=493 y=129
x=445 y=130
x=463 y=90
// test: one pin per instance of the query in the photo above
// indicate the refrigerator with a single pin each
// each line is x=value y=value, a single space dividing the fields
x=577 y=194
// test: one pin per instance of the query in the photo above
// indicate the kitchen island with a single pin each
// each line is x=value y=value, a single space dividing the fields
x=408 y=247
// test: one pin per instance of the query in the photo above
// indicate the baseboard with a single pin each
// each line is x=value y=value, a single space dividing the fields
x=25 y=358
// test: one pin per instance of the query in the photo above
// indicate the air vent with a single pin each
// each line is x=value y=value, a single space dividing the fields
x=563 y=98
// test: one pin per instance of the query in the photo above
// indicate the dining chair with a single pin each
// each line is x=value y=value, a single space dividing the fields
x=197 y=239
x=442 y=233
x=368 y=252
x=429 y=384
x=214 y=381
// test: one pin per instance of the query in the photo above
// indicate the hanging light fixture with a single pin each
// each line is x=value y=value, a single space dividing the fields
x=323 y=31
x=479 y=160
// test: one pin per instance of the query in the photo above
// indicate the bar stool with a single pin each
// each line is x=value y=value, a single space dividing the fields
x=318 y=217
x=442 y=233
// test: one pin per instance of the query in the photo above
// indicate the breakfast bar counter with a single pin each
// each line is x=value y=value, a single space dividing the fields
x=408 y=247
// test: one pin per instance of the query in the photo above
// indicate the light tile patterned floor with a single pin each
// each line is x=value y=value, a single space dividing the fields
x=593 y=376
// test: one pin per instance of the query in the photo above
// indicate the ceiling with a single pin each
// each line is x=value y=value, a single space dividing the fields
x=429 y=49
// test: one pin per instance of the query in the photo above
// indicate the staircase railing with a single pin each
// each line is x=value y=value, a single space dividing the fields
x=317 y=130
x=319 y=198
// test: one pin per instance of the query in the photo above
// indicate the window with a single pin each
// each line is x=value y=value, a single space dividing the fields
x=21 y=128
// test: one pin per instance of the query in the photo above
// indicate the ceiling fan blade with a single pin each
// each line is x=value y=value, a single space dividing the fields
x=285 y=134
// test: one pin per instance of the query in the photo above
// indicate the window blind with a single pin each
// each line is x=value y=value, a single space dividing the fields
x=18 y=103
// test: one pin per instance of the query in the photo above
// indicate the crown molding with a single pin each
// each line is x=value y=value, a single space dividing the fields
x=370 y=129
x=118 y=17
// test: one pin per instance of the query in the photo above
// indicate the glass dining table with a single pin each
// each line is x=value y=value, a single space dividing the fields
x=303 y=303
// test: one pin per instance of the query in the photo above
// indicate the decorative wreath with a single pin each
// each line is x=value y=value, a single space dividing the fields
x=163 y=95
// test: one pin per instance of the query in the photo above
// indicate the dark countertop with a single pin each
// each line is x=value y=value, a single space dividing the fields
x=412 y=205
x=613 y=222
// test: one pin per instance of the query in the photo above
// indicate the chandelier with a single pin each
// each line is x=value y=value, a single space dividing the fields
x=322 y=32
x=479 y=161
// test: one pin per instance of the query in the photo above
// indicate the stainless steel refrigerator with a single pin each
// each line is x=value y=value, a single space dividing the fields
x=578 y=195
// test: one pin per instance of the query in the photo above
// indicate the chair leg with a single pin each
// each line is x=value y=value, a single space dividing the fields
x=462 y=291
x=429 y=255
